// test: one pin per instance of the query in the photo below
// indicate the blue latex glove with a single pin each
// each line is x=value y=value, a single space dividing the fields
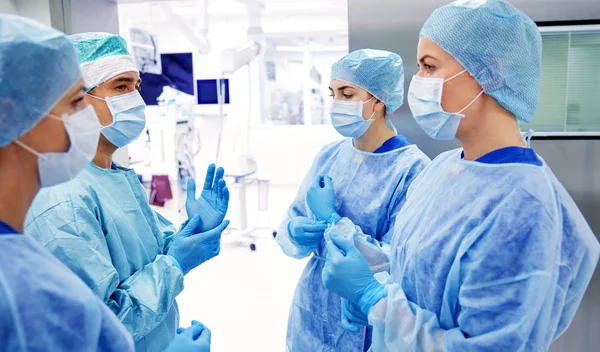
x=347 y=274
x=306 y=232
x=196 y=338
x=190 y=248
x=321 y=199
x=213 y=202
x=352 y=316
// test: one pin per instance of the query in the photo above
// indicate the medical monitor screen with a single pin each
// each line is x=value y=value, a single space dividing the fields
x=207 y=91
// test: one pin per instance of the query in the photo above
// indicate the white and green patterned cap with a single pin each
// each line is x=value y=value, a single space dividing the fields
x=102 y=56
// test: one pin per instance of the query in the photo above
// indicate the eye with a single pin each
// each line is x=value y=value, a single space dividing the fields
x=77 y=102
x=428 y=67
x=122 y=87
x=347 y=96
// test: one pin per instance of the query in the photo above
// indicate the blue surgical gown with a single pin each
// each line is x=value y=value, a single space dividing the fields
x=101 y=226
x=44 y=307
x=485 y=257
x=370 y=189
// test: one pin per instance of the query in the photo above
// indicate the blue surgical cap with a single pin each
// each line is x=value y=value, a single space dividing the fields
x=378 y=72
x=102 y=56
x=498 y=45
x=38 y=66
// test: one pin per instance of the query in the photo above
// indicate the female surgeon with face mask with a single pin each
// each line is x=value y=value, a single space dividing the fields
x=489 y=253
x=371 y=169
x=48 y=134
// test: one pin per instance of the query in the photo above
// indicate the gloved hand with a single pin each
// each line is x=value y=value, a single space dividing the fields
x=190 y=248
x=352 y=316
x=305 y=231
x=196 y=338
x=347 y=274
x=213 y=202
x=321 y=199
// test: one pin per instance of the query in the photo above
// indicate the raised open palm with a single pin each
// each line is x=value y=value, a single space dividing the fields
x=213 y=202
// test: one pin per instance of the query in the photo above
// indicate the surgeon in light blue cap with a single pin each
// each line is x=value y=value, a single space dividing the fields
x=48 y=134
x=371 y=169
x=489 y=252
x=101 y=225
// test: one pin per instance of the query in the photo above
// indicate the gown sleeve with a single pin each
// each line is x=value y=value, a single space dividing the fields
x=141 y=301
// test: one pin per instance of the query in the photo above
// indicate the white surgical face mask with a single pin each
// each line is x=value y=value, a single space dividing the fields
x=129 y=118
x=83 y=130
x=347 y=119
x=425 y=101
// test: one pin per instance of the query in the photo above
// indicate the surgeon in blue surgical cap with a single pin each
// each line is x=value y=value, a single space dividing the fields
x=101 y=225
x=48 y=134
x=489 y=252
x=370 y=168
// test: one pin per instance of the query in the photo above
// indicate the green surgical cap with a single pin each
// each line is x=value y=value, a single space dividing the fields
x=102 y=56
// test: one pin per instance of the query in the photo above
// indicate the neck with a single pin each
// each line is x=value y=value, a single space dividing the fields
x=19 y=186
x=377 y=134
x=104 y=153
x=492 y=131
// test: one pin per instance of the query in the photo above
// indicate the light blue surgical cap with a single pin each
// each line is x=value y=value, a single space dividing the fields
x=498 y=45
x=379 y=72
x=38 y=66
x=102 y=56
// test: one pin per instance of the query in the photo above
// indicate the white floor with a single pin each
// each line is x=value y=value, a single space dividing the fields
x=241 y=295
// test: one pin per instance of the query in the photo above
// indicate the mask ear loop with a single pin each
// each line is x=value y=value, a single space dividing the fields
x=469 y=105
x=456 y=75
x=29 y=149
x=104 y=100
x=527 y=137
x=364 y=102
x=95 y=97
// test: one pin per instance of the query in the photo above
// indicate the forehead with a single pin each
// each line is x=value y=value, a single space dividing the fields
x=428 y=47
x=127 y=76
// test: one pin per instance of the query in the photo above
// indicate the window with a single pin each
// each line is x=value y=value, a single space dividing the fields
x=298 y=79
x=570 y=91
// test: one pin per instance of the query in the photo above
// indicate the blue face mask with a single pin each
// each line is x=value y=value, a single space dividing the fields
x=425 y=101
x=346 y=118
x=129 y=118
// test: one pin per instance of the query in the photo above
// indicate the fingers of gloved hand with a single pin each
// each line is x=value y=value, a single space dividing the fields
x=346 y=245
x=346 y=324
x=317 y=182
x=353 y=313
x=334 y=252
x=219 y=175
x=311 y=238
x=212 y=237
x=217 y=231
x=314 y=235
x=180 y=330
x=210 y=176
x=198 y=325
x=193 y=332
x=221 y=184
x=313 y=225
x=191 y=226
x=191 y=188
x=225 y=195
x=205 y=337
x=327 y=182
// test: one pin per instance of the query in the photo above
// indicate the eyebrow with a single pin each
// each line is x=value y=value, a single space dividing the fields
x=423 y=58
x=82 y=90
x=126 y=80
x=345 y=87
